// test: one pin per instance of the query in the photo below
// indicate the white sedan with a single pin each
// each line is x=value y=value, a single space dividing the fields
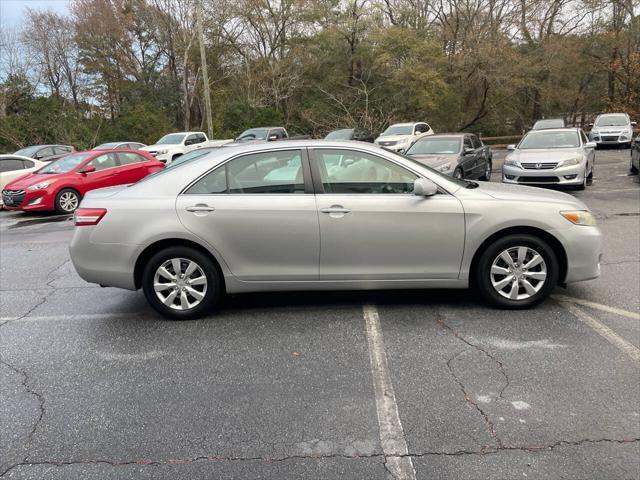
x=15 y=166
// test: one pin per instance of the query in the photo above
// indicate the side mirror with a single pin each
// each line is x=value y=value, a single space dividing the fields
x=468 y=151
x=634 y=124
x=424 y=187
x=591 y=145
x=273 y=137
x=511 y=147
x=591 y=124
x=88 y=169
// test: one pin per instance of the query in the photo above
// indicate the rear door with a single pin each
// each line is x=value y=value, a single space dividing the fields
x=259 y=213
x=132 y=168
x=372 y=227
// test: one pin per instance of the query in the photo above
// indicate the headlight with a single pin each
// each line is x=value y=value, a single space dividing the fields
x=511 y=162
x=579 y=217
x=571 y=161
x=444 y=168
x=41 y=185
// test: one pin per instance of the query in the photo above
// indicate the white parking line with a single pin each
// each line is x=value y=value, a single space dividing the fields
x=597 y=306
x=604 y=331
x=394 y=445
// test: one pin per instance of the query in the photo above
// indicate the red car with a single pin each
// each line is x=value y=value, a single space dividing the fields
x=61 y=185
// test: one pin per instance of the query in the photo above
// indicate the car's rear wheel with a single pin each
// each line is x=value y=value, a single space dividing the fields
x=517 y=271
x=181 y=283
x=67 y=201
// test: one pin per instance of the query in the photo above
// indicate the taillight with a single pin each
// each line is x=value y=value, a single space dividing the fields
x=89 y=216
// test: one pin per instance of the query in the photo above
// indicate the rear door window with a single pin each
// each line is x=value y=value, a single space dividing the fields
x=108 y=160
x=128 y=158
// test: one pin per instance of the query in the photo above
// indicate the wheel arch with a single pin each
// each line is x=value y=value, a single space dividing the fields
x=553 y=242
x=155 y=247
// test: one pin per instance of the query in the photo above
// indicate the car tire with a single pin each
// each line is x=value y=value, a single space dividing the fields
x=181 y=298
x=176 y=156
x=486 y=176
x=458 y=173
x=633 y=169
x=541 y=277
x=67 y=201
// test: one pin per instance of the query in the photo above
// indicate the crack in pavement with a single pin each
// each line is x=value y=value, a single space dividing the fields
x=30 y=391
x=267 y=459
x=469 y=398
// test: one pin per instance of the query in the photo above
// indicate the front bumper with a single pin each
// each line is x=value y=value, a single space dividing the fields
x=609 y=139
x=571 y=175
x=26 y=200
x=583 y=246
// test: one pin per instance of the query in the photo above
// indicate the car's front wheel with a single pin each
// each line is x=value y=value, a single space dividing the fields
x=486 y=176
x=517 y=271
x=181 y=283
x=67 y=201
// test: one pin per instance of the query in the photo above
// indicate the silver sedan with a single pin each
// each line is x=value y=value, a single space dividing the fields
x=560 y=156
x=322 y=215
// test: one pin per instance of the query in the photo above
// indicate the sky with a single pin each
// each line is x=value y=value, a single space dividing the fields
x=12 y=12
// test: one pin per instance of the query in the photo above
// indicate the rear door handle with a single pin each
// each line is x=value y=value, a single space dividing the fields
x=335 y=209
x=200 y=208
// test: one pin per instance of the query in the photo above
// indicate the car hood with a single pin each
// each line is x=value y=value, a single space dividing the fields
x=30 y=179
x=545 y=154
x=434 y=160
x=509 y=192
x=392 y=138
x=162 y=146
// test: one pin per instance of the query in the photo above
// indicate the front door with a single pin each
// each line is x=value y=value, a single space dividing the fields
x=256 y=213
x=373 y=227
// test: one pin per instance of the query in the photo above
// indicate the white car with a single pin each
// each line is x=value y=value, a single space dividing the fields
x=400 y=136
x=612 y=129
x=15 y=166
x=171 y=146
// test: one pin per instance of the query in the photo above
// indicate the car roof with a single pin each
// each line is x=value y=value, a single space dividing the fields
x=16 y=157
x=453 y=134
x=403 y=124
x=564 y=129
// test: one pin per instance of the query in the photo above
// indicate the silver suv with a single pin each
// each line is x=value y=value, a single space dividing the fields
x=612 y=129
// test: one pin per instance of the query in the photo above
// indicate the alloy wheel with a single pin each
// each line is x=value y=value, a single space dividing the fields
x=180 y=283
x=518 y=273
x=69 y=201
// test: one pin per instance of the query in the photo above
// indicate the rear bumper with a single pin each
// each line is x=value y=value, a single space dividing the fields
x=107 y=264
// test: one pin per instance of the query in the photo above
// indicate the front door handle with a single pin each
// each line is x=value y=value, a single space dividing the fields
x=335 y=209
x=200 y=208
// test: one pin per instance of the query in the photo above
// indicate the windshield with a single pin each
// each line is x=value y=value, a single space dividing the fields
x=614 y=120
x=107 y=146
x=564 y=139
x=344 y=134
x=65 y=164
x=171 y=139
x=551 y=123
x=398 y=130
x=254 y=134
x=430 y=146
x=28 y=151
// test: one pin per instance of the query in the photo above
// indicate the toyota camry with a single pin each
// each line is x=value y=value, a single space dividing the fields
x=323 y=215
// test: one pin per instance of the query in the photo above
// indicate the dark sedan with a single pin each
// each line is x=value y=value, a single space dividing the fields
x=45 y=153
x=461 y=155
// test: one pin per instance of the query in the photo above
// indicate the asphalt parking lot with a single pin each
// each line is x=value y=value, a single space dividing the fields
x=361 y=385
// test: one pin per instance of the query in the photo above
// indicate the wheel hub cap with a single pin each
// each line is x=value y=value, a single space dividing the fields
x=180 y=283
x=518 y=273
